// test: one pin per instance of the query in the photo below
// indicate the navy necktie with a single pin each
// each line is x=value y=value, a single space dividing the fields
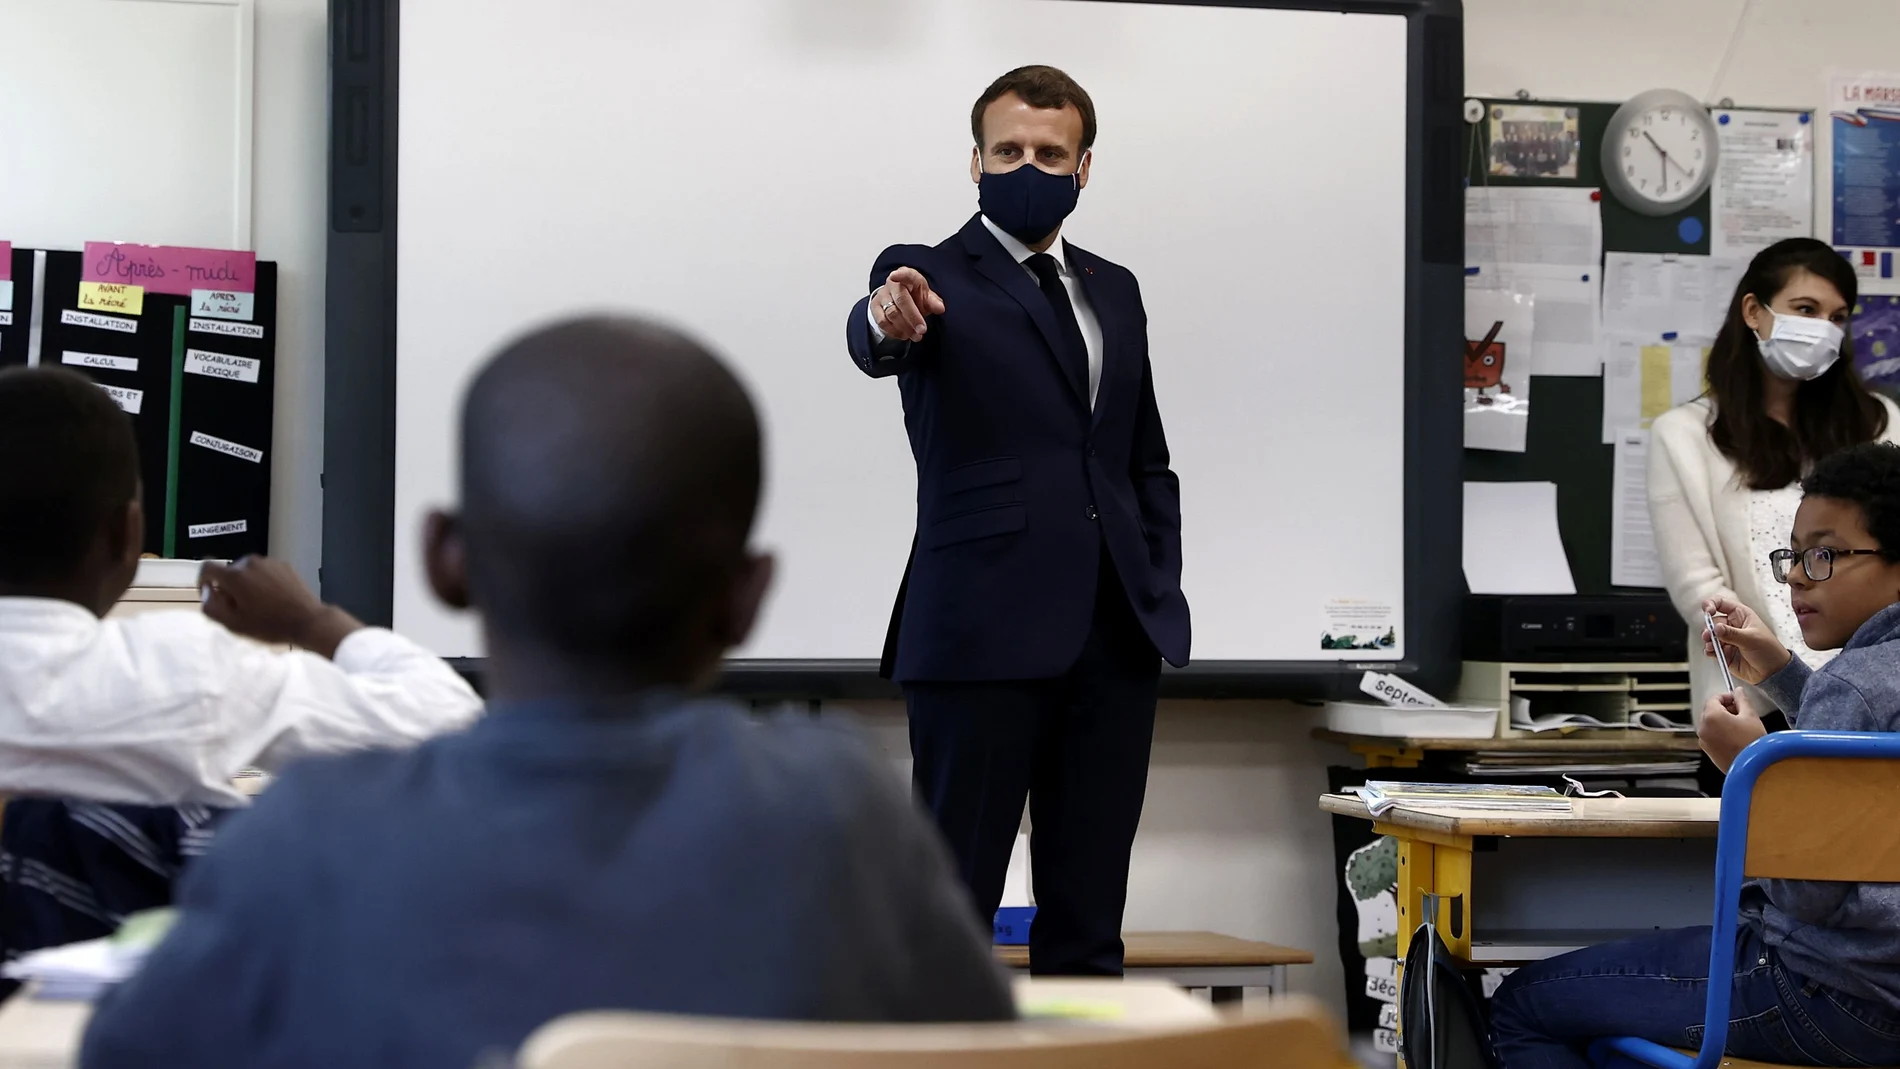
x=1049 y=277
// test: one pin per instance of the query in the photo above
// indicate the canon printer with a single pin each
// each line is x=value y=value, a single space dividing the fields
x=1573 y=627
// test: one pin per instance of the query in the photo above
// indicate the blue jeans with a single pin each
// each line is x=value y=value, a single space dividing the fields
x=1655 y=987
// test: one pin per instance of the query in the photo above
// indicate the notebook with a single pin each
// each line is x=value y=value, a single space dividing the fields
x=1381 y=796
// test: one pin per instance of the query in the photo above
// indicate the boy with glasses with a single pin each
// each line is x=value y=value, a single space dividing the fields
x=1817 y=975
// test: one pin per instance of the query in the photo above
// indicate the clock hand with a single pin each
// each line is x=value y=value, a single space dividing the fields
x=1665 y=158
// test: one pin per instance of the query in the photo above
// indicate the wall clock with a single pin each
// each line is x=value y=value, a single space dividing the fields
x=1659 y=152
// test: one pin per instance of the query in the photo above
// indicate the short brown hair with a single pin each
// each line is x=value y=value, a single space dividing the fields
x=1040 y=87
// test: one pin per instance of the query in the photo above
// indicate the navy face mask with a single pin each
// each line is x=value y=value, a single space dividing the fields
x=1029 y=203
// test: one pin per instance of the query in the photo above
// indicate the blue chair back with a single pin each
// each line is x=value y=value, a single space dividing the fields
x=1796 y=805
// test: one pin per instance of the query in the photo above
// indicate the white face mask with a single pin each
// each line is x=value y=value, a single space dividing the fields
x=1800 y=347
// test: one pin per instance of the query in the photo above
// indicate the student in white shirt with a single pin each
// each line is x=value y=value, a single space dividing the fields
x=165 y=708
x=1724 y=469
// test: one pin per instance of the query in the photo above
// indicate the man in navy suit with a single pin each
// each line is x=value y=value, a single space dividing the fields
x=1044 y=585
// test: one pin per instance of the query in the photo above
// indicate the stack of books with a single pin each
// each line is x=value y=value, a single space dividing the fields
x=1381 y=796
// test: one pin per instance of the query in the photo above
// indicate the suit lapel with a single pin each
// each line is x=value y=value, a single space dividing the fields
x=996 y=264
x=1102 y=303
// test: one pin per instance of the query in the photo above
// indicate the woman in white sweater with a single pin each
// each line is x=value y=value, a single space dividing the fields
x=1723 y=469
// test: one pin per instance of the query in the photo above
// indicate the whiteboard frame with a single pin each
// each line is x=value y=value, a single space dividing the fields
x=359 y=477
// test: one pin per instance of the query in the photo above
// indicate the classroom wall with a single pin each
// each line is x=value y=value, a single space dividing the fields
x=1614 y=49
x=1231 y=839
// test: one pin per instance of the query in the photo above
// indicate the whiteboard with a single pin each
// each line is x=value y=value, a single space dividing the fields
x=736 y=166
x=126 y=120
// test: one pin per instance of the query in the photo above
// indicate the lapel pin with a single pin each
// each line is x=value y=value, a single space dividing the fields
x=1088 y=270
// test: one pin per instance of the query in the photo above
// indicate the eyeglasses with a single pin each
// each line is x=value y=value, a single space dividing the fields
x=1816 y=561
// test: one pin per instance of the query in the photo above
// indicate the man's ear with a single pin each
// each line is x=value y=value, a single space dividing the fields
x=124 y=542
x=445 y=558
x=976 y=164
x=126 y=538
x=748 y=596
x=1082 y=172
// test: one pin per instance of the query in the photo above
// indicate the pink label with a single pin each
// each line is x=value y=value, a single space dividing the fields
x=6 y=261
x=169 y=268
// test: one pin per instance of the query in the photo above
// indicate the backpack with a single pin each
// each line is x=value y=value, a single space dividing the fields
x=1442 y=1022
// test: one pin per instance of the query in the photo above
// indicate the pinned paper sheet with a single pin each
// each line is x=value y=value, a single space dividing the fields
x=128 y=399
x=1512 y=544
x=1356 y=624
x=1566 y=333
x=1764 y=181
x=1649 y=295
x=221 y=365
x=1499 y=327
x=73 y=318
x=6 y=277
x=222 y=304
x=1533 y=225
x=229 y=330
x=1658 y=378
x=172 y=269
x=1632 y=540
x=1642 y=381
x=231 y=449
x=102 y=361
x=112 y=297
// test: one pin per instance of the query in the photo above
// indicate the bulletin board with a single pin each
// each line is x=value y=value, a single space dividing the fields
x=16 y=312
x=199 y=385
x=1564 y=438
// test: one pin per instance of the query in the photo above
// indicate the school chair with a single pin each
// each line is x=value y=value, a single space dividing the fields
x=1797 y=805
x=1294 y=1034
x=71 y=870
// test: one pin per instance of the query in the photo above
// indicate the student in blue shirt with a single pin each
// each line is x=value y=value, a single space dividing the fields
x=606 y=837
x=1817 y=974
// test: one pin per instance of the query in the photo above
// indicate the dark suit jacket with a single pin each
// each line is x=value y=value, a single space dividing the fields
x=417 y=909
x=1019 y=485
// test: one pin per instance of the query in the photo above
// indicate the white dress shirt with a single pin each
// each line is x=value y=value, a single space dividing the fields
x=1079 y=298
x=164 y=708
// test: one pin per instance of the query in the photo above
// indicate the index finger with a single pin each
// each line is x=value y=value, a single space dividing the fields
x=910 y=279
x=1721 y=606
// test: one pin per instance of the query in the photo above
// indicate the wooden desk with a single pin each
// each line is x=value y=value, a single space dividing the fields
x=1589 y=818
x=37 y=1034
x=1223 y=964
x=1436 y=847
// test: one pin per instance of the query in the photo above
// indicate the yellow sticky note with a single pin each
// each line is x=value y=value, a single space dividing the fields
x=1657 y=373
x=112 y=297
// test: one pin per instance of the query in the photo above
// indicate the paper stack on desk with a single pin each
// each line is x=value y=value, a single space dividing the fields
x=83 y=971
x=1381 y=795
x=1642 y=720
